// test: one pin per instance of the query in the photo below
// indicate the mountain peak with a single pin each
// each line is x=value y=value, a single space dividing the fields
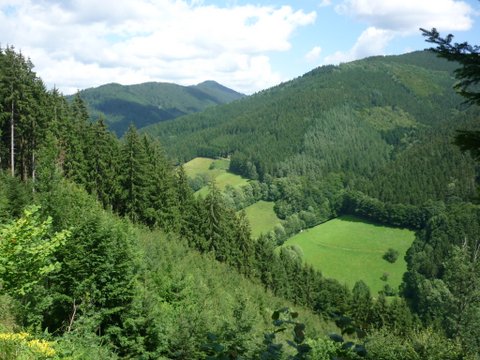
x=152 y=102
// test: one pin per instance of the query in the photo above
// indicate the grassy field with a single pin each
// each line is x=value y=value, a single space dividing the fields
x=215 y=170
x=349 y=249
x=262 y=218
x=202 y=165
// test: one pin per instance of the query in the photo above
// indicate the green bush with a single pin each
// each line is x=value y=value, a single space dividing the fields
x=391 y=255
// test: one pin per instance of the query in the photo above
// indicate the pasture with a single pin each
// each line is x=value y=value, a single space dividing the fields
x=262 y=218
x=213 y=170
x=349 y=249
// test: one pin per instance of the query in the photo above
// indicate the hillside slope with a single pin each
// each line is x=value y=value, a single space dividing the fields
x=355 y=119
x=150 y=103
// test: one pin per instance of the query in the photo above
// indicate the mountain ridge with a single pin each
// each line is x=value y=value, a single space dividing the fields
x=152 y=102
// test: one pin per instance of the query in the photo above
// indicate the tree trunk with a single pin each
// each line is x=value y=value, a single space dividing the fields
x=33 y=156
x=12 y=139
x=34 y=172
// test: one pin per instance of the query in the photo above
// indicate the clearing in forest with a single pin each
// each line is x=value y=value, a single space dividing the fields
x=262 y=218
x=212 y=170
x=349 y=249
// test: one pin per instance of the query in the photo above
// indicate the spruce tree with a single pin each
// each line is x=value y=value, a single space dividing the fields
x=134 y=177
x=102 y=155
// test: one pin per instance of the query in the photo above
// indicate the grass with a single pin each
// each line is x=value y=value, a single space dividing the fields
x=202 y=165
x=349 y=249
x=215 y=170
x=262 y=218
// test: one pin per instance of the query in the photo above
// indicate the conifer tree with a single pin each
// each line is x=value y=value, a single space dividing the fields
x=134 y=176
x=186 y=203
x=75 y=136
x=17 y=84
x=361 y=306
x=218 y=231
x=163 y=207
x=244 y=247
x=102 y=155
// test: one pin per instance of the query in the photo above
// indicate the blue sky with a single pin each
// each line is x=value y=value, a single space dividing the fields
x=248 y=45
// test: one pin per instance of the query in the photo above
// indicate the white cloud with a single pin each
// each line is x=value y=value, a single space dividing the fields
x=82 y=43
x=325 y=3
x=387 y=20
x=314 y=54
x=409 y=15
x=371 y=42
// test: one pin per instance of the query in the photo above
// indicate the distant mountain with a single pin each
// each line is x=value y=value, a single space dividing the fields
x=152 y=102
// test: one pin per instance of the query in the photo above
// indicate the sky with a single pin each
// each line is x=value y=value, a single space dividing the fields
x=247 y=45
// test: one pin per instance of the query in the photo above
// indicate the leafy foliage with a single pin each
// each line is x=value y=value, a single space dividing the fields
x=391 y=255
x=26 y=252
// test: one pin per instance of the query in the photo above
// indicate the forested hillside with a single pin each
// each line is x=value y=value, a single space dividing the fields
x=105 y=252
x=375 y=120
x=151 y=103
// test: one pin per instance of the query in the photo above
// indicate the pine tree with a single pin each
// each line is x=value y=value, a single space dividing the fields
x=102 y=155
x=218 y=226
x=243 y=248
x=74 y=140
x=163 y=207
x=361 y=306
x=18 y=85
x=134 y=177
x=186 y=203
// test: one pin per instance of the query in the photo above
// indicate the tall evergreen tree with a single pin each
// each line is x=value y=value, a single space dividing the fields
x=134 y=176
x=18 y=88
x=74 y=141
x=362 y=304
x=102 y=155
x=218 y=227
x=163 y=207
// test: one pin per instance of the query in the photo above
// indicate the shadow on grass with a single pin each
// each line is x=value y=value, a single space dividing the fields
x=359 y=219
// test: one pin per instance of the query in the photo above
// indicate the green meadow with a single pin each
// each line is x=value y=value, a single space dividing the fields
x=214 y=170
x=262 y=218
x=201 y=165
x=349 y=249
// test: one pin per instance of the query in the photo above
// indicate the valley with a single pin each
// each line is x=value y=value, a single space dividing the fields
x=331 y=216
x=347 y=248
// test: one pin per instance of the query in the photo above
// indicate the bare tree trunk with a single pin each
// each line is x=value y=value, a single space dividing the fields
x=12 y=139
x=34 y=172
x=33 y=156
x=72 y=317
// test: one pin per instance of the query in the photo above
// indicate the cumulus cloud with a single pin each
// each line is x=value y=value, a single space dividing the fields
x=82 y=43
x=393 y=18
x=408 y=15
x=314 y=54
x=371 y=42
x=325 y=3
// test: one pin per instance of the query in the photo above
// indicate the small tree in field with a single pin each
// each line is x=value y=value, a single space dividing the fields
x=391 y=255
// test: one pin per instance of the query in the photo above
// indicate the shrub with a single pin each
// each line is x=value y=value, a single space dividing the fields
x=391 y=255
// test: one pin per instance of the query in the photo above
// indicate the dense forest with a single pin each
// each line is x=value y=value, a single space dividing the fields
x=151 y=103
x=105 y=252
